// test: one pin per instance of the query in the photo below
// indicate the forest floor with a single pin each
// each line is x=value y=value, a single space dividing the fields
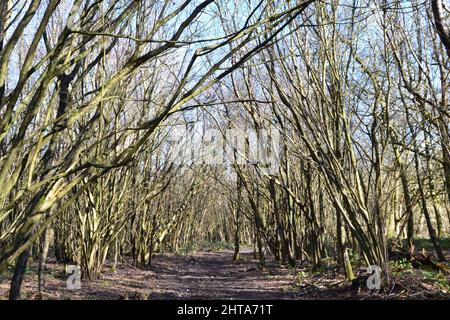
x=213 y=275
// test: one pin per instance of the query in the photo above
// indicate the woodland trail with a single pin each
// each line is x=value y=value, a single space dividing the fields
x=202 y=275
x=216 y=276
x=210 y=275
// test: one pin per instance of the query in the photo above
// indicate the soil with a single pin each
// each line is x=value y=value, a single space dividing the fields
x=204 y=275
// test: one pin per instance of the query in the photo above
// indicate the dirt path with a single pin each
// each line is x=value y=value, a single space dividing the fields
x=215 y=276
x=206 y=275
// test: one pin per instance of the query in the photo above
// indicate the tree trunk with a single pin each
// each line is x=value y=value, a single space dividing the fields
x=19 y=271
x=344 y=258
x=43 y=251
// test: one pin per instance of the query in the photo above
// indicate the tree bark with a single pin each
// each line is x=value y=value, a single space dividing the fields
x=19 y=271
x=43 y=251
x=440 y=23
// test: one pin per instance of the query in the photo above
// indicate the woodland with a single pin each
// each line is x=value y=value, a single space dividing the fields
x=277 y=149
